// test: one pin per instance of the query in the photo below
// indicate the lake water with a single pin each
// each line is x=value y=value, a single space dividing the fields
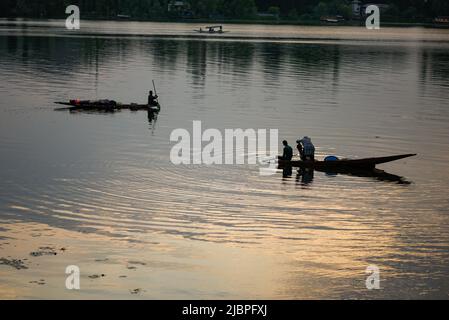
x=99 y=190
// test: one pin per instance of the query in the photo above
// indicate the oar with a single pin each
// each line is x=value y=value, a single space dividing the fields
x=155 y=92
x=154 y=87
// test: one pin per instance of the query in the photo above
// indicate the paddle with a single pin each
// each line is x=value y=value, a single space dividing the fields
x=155 y=93
x=154 y=87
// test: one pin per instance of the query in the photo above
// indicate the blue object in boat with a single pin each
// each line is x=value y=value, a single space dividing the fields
x=331 y=158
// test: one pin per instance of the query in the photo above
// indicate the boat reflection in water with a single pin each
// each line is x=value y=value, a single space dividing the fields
x=304 y=176
x=151 y=113
x=377 y=174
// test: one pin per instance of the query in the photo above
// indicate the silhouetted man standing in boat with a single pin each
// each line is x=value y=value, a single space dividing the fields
x=286 y=155
x=306 y=149
x=288 y=151
x=152 y=99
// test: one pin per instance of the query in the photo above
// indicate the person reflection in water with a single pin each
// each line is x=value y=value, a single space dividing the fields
x=287 y=155
x=287 y=172
x=152 y=118
x=304 y=176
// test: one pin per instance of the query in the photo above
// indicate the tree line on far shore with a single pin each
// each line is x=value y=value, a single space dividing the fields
x=398 y=10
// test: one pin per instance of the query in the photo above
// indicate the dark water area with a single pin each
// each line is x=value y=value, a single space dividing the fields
x=104 y=185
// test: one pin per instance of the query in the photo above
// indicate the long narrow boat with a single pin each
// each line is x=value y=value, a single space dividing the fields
x=343 y=165
x=105 y=105
x=211 y=30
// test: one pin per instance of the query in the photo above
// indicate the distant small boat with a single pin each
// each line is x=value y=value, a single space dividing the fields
x=123 y=17
x=211 y=30
x=332 y=19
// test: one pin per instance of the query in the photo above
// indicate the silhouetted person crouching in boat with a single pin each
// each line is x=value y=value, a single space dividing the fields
x=152 y=99
x=306 y=149
x=288 y=151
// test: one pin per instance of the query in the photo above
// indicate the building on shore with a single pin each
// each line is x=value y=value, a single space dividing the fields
x=359 y=8
x=179 y=8
x=443 y=20
x=356 y=7
x=267 y=15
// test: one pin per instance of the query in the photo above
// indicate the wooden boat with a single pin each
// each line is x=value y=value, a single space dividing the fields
x=343 y=165
x=332 y=19
x=211 y=30
x=105 y=105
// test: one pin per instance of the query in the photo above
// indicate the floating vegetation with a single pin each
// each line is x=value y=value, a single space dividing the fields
x=137 y=262
x=15 y=263
x=101 y=260
x=44 y=251
x=132 y=264
x=135 y=291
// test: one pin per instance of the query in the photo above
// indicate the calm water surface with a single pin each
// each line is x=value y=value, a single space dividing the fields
x=102 y=186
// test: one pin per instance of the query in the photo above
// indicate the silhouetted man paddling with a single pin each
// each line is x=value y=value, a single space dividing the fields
x=152 y=99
